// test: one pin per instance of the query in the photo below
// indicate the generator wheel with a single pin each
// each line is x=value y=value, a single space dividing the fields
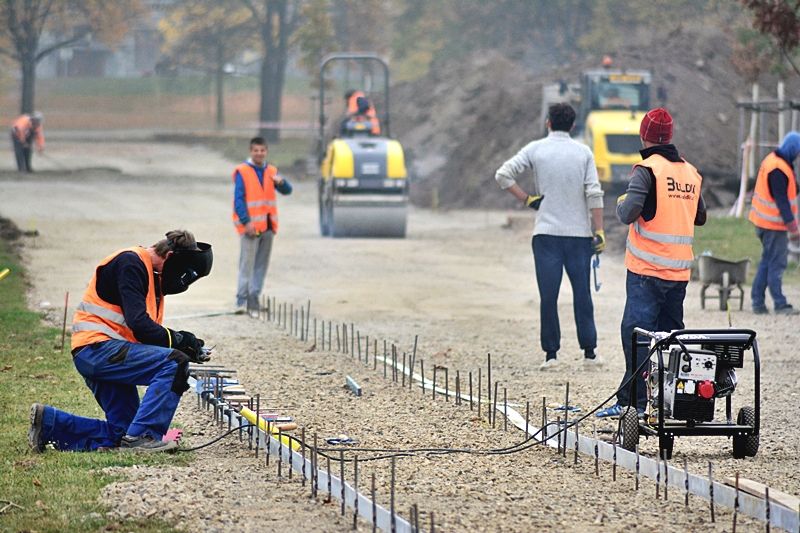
x=665 y=444
x=745 y=445
x=629 y=430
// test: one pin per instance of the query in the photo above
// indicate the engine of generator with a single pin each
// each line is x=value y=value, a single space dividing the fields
x=693 y=379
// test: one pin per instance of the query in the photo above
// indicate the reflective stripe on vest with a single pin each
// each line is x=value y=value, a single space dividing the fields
x=657 y=259
x=96 y=320
x=262 y=207
x=102 y=312
x=764 y=212
x=662 y=247
x=100 y=328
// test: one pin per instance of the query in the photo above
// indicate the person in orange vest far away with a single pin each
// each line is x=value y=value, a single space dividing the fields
x=118 y=343
x=360 y=114
x=662 y=206
x=255 y=216
x=774 y=213
x=26 y=130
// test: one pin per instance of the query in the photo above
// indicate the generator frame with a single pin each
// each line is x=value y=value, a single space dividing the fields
x=666 y=429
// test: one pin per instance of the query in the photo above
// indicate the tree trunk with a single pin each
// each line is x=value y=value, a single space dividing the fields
x=220 y=85
x=28 y=67
x=273 y=69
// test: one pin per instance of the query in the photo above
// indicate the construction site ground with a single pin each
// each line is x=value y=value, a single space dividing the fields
x=461 y=281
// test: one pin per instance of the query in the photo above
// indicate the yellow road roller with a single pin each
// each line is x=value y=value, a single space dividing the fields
x=363 y=185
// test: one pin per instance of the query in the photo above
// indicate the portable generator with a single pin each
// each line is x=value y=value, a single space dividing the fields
x=688 y=371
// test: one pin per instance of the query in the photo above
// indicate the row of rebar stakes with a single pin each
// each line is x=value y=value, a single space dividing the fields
x=298 y=326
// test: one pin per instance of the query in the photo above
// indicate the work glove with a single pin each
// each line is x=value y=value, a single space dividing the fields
x=190 y=345
x=621 y=198
x=534 y=201
x=599 y=241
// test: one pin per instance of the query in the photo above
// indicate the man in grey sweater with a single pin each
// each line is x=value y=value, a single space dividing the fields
x=565 y=236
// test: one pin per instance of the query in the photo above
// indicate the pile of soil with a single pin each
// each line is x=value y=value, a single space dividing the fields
x=462 y=120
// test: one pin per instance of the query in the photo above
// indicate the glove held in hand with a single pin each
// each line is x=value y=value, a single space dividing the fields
x=186 y=342
x=534 y=202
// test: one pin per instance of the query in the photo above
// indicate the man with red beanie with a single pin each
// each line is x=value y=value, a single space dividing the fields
x=662 y=205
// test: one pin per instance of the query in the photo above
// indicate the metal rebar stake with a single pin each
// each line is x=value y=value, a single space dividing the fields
x=470 y=390
x=685 y=482
x=458 y=388
x=666 y=479
x=446 y=384
x=258 y=414
x=494 y=407
x=558 y=435
x=352 y=339
x=355 y=490
x=566 y=416
x=422 y=375
x=374 y=505
x=280 y=452
x=489 y=383
x=433 y=389
x=341 y=477
x=505 y=409
x=596 y=451
x=480 y=385
x=711 y=491
x=614 y=461
x=736 y=503
x=329 y=499
x=637 y=467
x=577 y=440
x=403 y=373
x=302 y=452
x=269 y=441
x=391 y=497
x=766 y=507
x=658 y=479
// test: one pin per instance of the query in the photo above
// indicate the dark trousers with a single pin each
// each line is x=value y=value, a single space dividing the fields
x=553 y=255
x=22 y=152
x=655 y=305
x=774 y=257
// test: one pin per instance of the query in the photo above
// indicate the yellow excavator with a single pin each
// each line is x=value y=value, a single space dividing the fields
x=363 y=185
x=610 y=105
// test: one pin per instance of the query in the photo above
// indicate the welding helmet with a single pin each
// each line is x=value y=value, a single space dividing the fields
x=184 y=267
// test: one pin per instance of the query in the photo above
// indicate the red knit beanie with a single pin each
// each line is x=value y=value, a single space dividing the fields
x=656 y=126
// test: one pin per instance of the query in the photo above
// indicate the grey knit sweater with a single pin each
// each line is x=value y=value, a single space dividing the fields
x=565 y=173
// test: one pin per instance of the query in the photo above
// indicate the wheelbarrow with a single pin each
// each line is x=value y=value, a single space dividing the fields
x=728 y=275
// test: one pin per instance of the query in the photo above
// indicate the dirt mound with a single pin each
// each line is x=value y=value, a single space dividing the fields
x=462 y=120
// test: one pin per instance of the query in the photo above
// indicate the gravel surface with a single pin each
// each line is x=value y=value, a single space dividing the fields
x=460 y=281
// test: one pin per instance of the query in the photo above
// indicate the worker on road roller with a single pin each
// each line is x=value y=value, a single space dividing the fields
x=118 y=343
x=360 y=111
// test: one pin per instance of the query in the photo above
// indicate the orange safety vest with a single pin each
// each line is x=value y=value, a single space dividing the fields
x=261 y=205
x=662 y=247
x=96 y=320
x=352 y=109
x=764 y=212
x=23 y=130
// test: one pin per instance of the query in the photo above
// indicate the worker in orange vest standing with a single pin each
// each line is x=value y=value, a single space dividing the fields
x=118 y=343
x=662 y=205
x=255 y=216
x=26 y=130
x=774 y=213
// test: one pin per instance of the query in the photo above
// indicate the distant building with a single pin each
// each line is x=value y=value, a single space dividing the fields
x=135 y=56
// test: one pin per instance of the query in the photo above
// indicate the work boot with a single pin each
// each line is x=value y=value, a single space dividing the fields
x=786 y=310
x=146 y=444
x=592 y=363
x=35 y=440
x=760 y=310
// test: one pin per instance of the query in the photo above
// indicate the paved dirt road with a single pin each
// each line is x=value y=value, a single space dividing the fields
x=460 y=281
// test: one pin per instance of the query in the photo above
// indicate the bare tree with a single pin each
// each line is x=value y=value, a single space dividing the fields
x=22 y=23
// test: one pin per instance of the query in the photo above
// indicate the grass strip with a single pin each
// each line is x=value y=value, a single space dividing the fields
x=734 y=239
x=57 y=491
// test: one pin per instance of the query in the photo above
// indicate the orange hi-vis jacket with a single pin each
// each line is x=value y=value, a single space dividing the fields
x=96 y=320
x=662 y=247
x=764 y=212
x=261 y=205
x=23 y=130
x=352 y=110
